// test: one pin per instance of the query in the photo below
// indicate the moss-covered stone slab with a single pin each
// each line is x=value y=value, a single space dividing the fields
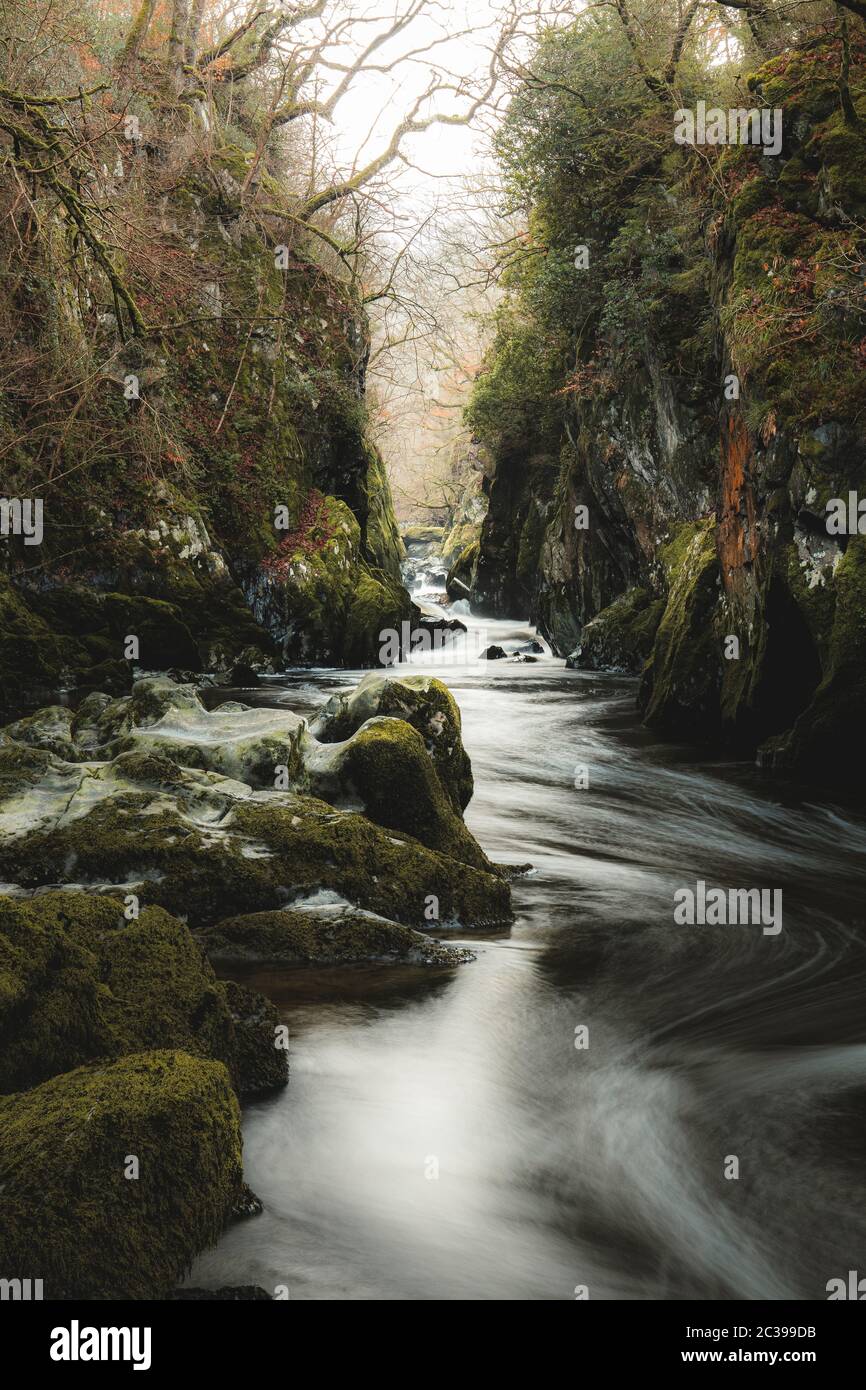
x=324 y=934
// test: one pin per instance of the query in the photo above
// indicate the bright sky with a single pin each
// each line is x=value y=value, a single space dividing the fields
x=377 y=101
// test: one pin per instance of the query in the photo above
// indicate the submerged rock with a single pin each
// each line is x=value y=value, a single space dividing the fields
x=323 y=934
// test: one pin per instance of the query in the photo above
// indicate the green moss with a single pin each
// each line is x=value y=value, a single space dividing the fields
x=383 y=546
x=70 y=1215
x=154 y=768
x=620 y=638
x=825 y=743
x=20 y=766
x=422 y=701
x=795 y=300
x=680 y=684
x=323 y=937
x=378 y=605
x=388 y=765
x=79 y=981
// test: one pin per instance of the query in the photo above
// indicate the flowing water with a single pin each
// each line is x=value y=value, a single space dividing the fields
x=443 y=1137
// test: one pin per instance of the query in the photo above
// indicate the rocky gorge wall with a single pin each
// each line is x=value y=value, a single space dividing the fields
x=210 y=489
x=704 y=423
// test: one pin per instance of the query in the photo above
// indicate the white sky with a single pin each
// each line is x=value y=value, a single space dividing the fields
x=377 y=102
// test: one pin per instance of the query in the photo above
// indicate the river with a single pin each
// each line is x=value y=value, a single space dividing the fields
x=443 y=1137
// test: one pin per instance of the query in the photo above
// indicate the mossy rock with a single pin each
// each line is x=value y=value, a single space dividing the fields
x=379 y=605
x=422 y=701
x=389 y=874
x=320 y=598
x=461 y=576
x=150 y=700
x=79 y=981
x=49 y=729
x=825 y=743
x=382 y=543
x=323 y=936
x=387 y=765
x=33 y=659
x=164 y=637
x=69 y=1214
x=260 y=857
x=679 y=690
x=621 y=637
x=422 y=534
x=259 y=1064
x=161 y=819
x=248 y=745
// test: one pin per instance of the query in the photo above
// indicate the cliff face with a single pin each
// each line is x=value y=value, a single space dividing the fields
x=705 y=423
x=207 y=486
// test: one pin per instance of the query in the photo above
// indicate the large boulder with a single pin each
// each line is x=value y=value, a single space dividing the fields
x=79 y=981
x=385 y=770
x=422 y=701
x=114 y=1176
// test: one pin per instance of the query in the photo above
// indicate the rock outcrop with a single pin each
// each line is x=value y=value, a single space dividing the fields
x=688 y=406
x=142 y=837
